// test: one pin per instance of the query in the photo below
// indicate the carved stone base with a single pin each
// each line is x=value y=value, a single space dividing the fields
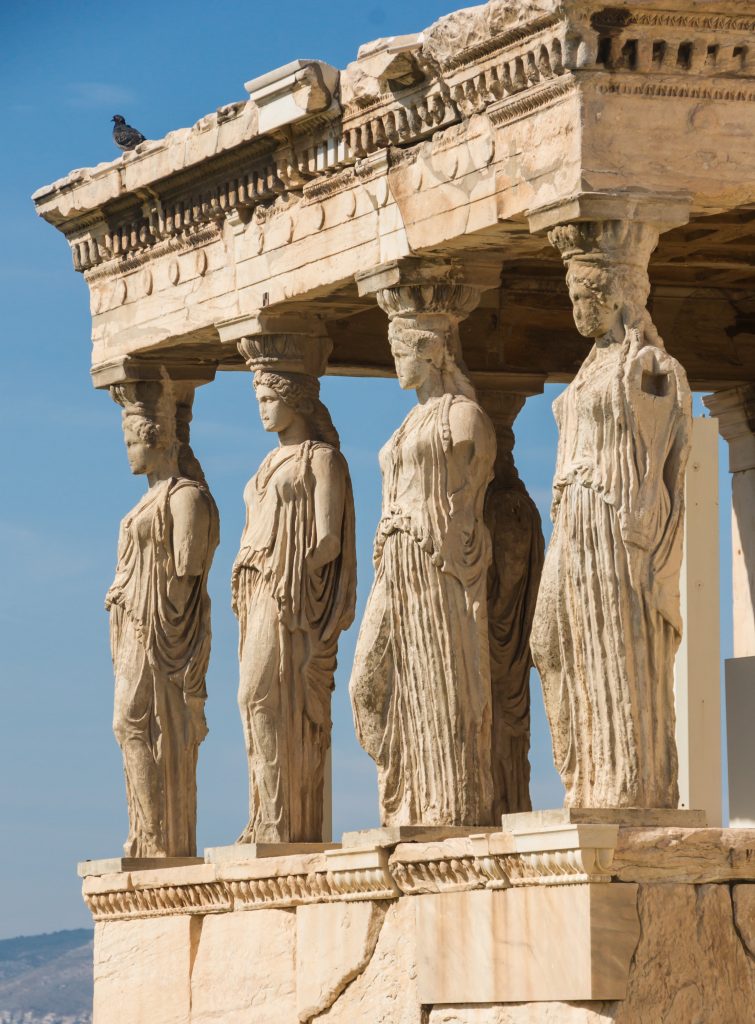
x=114 y=865
x=574 y=923
x=634 y=817
x=391 y=835
x=240 y=852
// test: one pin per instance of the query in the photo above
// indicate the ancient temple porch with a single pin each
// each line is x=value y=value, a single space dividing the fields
x=426 y=176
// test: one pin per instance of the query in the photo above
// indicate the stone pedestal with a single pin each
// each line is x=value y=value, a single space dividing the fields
x=548 y=920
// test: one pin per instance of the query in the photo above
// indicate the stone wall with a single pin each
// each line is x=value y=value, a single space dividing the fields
x=488 y=935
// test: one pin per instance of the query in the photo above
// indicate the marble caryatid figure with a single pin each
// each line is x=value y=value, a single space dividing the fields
x=607 y=623
x=420 y=686
x=294 y=587
x=517 y=545
x=160 y=620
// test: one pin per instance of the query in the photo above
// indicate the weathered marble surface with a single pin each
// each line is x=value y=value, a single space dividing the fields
x=696 y=855
x=334 y=944
x=340 y=959
x=420 y=685
x=160 y=620
x=607 y=623
x=143 y=969
x=386 y=991
x=366 y=934
x=446 y=141
x=690 y=965
x=508 y=946
x=244 y=968
x=294 y=590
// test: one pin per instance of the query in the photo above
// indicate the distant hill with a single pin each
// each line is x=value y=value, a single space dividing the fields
x=47 y=979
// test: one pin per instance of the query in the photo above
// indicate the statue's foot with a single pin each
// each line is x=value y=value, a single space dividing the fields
x=261 y=832
x=143 y=846
x=247 y=836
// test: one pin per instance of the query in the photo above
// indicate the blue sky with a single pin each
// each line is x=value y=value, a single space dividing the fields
x=67 y=69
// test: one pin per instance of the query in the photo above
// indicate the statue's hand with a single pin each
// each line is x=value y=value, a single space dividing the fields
x=197 y=721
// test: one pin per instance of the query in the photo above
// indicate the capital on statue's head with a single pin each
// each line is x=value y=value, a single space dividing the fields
x=629 y=242
x=287 y=353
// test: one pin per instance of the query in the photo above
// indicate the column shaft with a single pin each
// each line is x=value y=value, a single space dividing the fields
x=735 y=411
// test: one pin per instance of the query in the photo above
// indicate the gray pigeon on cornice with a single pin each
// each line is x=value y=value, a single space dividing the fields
x=124 y=136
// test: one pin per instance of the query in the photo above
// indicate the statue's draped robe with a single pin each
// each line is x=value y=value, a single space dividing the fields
x=160 y=637
x=607 y=623
x=517 y=544
x=420 y=686
x=290 y=619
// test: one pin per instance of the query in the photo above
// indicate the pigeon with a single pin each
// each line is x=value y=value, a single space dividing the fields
x=124 y=136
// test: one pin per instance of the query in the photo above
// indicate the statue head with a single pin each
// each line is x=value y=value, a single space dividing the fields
x=149 y=426
x=285 y=397
x=606 y=273
x=596 y=294
x=287 y=367
x=424 y=347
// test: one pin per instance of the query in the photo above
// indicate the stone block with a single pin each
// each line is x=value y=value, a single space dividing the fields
x=361 y=873
x=632 y=817
x=386 y=990
x=541 y=943
x=239 y=853
x=524 y=1013
x=691 y=964
x=392 y=835
x=743 y=900
x=289 y=93
x=142 y=970
x=685 y=855
x=244 y=969
x=117 y=865
x=271 y=867
x=334 y=943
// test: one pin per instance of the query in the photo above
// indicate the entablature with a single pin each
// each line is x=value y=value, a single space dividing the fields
x=456 y=141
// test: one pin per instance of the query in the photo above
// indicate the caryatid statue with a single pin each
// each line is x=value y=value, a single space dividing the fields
x=160 y=620
x=294 y=590
x=420 y=686
x=607 y=623
x=518 y=548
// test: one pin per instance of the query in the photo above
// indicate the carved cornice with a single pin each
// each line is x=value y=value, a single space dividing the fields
x=503 y=67
x=518 y=107
x=561 y=867
x=281 y=891
x=451 y=874
x=116 y=267
x=159 y=901
x=498 y=43
x=732 y=93
x=621 y=17
x=563 y=855
x=543 y=856
x=323 y=188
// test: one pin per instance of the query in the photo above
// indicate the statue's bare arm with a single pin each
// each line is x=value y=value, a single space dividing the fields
x=191 y=530
x=330 y=494
x=471 y=452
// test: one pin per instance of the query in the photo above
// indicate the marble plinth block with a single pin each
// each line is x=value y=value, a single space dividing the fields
x=552 y=921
